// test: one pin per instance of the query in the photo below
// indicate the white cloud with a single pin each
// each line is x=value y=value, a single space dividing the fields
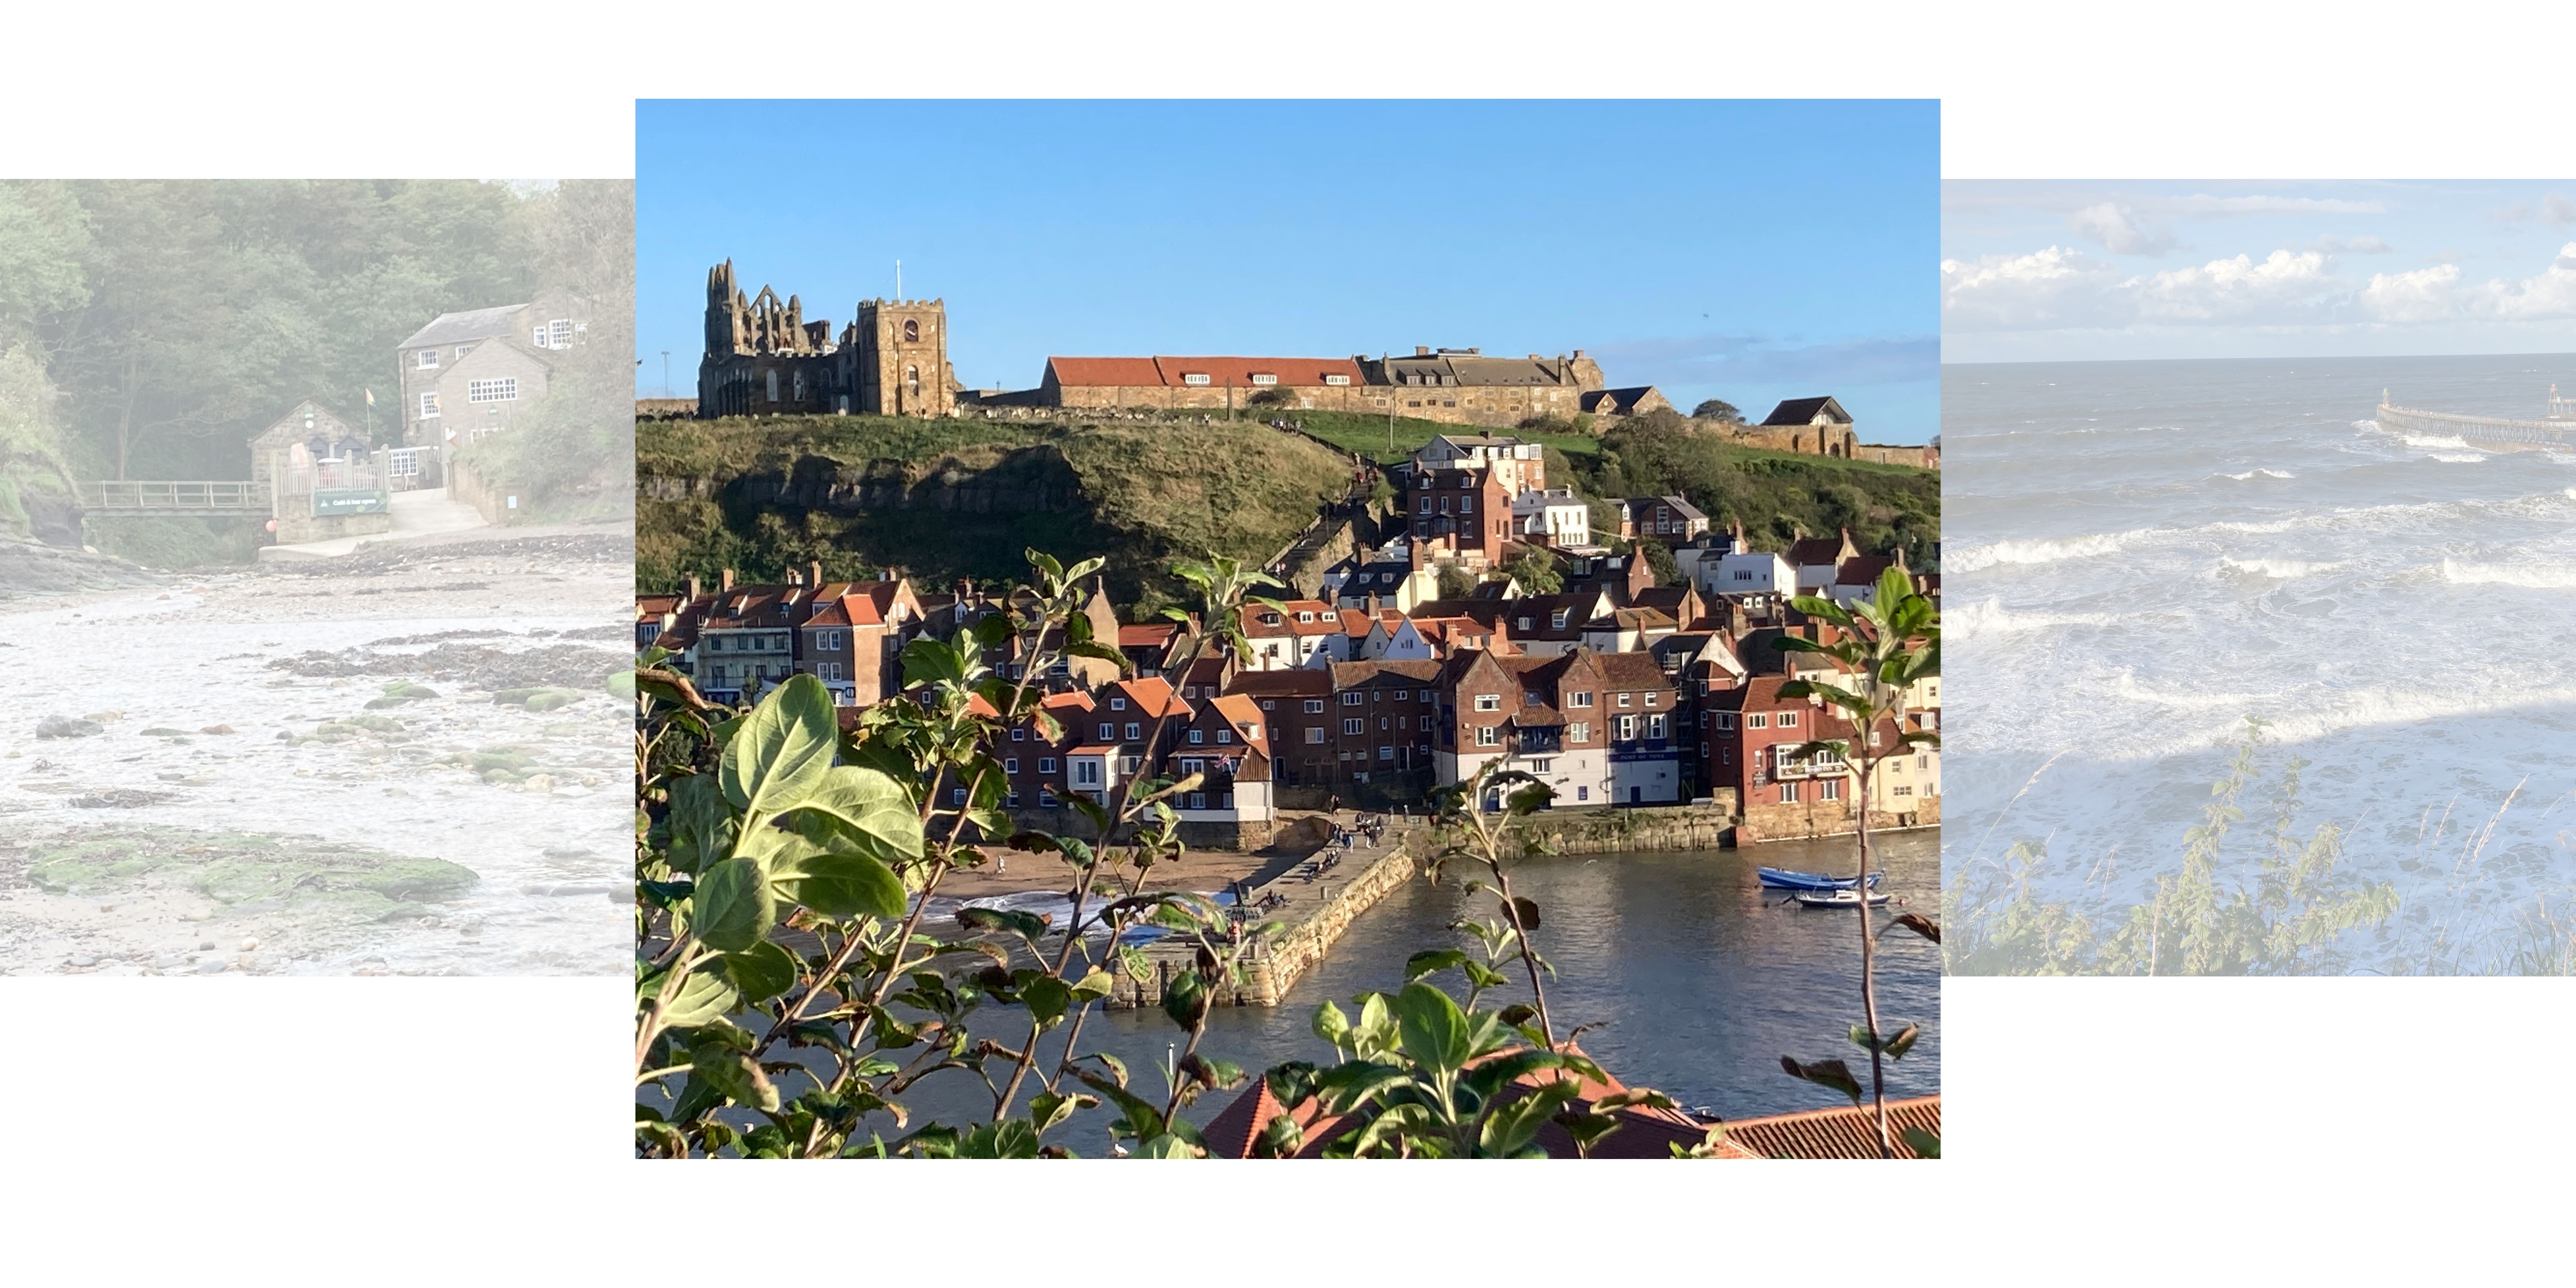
x=2284 y=285
x=2552 y=294
x=2424 y=295
x=2052 y=287
x=2118 y=230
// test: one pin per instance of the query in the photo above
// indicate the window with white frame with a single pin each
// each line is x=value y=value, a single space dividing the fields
x=1355 y=725
x=429 y=406
x=1789 y=792
x=1757 y=720
x=1314 y=734
x=1011 y=765
x=1046 y=764
x=1314 y=706
x=1264 y=378
x=1086 y=773
x=1337 y=380
x=1830 y=789
x=1581 y=700
x=498 y=389
x=1134 y=731
x=1194 y=377
x=427 y=359
x=1788 y=719
x=1489 y=702
x=1488 y=736
x=1352 y=698
x=463 y=349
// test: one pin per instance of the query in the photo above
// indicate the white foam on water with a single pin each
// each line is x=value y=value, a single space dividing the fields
x=1988 y=618
x=2458 y=458
x=2535 y=576
x=2256 y=474
x=2283 y=569
x=2433 y=440
x=2045 y=550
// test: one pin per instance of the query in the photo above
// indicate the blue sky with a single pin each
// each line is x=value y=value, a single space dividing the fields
x=2061 y=271
x=1750 y=251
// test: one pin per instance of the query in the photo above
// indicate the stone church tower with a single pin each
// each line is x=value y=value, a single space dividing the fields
x=895 y=359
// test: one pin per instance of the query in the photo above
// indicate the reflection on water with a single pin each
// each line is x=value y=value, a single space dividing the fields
x=1691 y=981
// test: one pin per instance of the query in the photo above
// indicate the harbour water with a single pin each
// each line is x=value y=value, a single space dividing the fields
x=1688 y=976
x=2142 y=555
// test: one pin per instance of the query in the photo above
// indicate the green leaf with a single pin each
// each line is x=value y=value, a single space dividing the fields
x=1825 y=1073
x=1094 y=986
x=1427 y=962
x=1903 y=1041
x=782 y=749
x=1431 y=1028
x=1169 y=1145
x=839 y=883
x=1047 y=1110
x=1046 y=997
x=701 y=826
x=1027 y=925
x=1923 y=1143
x=763 y=971
x=862 y=804
x=1185 y=999
x=703 y=997
x=732 y=906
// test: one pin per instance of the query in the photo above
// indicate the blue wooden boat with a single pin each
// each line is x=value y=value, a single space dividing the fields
x=1783 y=879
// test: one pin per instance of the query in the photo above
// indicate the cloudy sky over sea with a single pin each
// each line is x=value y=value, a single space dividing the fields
x=2071 y=271
x=1751 y=251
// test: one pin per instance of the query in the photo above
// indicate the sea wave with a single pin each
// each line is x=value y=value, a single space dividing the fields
x=2458 y=458
x=2280 y=568
x=2533 y=576
x=1988 y=618
x=2042 y=551
x=2433 y=440
x=2255 y=474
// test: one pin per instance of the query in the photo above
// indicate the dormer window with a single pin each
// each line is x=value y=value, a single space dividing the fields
x=463 y=349
x=1264 y=378
x=1194 y=377
x=1305 y=617
x=1337 y=380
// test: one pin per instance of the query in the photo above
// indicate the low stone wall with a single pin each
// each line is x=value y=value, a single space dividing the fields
x=1613 y=830
x=465 y=484
x=1775 y=822
x=1290 y=953
x=295 y=527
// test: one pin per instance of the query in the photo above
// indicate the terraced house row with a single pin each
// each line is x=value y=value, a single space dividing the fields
x=1613 y=690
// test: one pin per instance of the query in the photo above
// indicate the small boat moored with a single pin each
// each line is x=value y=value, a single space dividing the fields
x=1837 y=899
x=1783 y=879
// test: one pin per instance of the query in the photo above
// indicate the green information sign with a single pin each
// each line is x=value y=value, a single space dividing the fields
x=348 y=501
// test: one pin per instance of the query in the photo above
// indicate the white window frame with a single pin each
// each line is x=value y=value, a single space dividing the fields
x=1489 y=702
x=1264 y=379
x=426 y=360
x=498 y=389
x=1195 y=378
x=1337 y=380
x=429 y=405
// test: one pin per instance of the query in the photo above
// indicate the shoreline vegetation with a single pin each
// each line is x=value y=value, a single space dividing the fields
x=2256 y=892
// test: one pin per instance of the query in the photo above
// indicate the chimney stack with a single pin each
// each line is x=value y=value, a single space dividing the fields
x=727 y=584
x=1422 y=351
x=814 y=574
x=694 y=592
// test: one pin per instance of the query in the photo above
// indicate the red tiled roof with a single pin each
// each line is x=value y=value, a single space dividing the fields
x=1834 y=1133
x=830 y=614
x=1148 y=635
x=1104 y=371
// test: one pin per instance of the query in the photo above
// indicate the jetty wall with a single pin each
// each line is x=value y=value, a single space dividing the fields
x=2494 y=433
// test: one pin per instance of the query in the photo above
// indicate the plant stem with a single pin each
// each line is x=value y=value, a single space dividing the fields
x=1869 y=959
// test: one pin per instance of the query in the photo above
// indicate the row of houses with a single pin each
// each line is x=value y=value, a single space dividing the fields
x=1613 y=690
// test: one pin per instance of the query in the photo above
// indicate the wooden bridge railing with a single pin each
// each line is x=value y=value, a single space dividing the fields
x=155 y=496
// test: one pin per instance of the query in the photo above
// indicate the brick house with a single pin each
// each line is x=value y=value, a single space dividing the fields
x=1293 y=637
x=1469 y=387
x=1033 y=762
x=1227 y=741
x=854 y=636
x=1296 y=704
x=1669 y=519
x=1385 y=717
x=474 y=372
x=1598 y=728
x=1753 y=732
x=1132 y=724
x=1463 y=514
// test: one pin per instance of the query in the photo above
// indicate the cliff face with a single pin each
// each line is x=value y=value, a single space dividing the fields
x=950 y=500
x=36 y=498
